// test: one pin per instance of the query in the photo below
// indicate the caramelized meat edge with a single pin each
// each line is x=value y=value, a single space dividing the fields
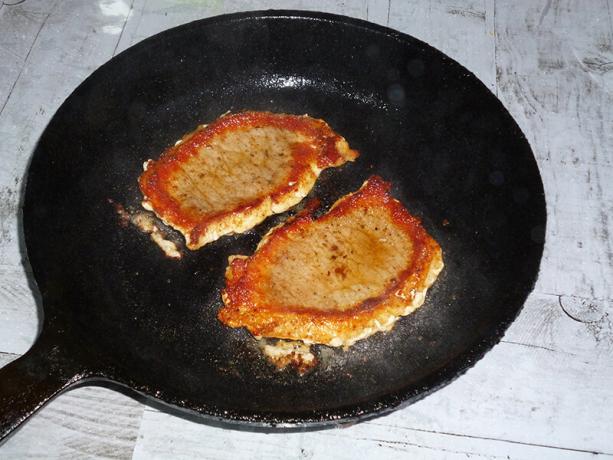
x=228 y=176
x=336 y=279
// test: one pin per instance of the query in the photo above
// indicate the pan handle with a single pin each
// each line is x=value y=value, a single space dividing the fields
x=30 y=381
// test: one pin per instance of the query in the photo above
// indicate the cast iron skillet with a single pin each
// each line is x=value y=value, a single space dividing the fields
x=117 y=310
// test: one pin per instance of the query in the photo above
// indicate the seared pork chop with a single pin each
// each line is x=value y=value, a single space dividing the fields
x=229 y=176
x=336 y=279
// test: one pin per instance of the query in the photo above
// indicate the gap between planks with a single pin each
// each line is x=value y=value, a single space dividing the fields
x=25 y=60
x=123 y=27
x=485 y=438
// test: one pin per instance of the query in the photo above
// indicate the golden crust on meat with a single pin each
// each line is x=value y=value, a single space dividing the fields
x=229 y=176
x=338 y=278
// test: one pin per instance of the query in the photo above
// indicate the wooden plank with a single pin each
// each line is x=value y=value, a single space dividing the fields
x=89 y=422
x=20 y=25
x=558 y=342
x=553 y=77
x=70 y=45
x=545 y=322
x=528 y=395
x=18 y=312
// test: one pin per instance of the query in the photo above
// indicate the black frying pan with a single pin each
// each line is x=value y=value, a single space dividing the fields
x=116 y=309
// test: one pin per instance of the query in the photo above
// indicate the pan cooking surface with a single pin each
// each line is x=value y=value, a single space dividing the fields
x=419 y=119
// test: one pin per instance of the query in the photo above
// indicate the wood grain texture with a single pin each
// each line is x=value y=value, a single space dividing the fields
x=18 y=311
x=73 y=40
x=389 y=438
x=20 y=26
x=538 y=420
x=89 y=422
x=544 y=392
x=553 y=77
x=71 y=43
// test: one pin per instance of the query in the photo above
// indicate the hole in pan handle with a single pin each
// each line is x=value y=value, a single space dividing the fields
x=33 y=379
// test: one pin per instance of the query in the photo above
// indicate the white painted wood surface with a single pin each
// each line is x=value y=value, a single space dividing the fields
x=545 y=392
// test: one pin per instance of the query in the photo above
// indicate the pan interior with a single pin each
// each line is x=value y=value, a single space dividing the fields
x=421 y=121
